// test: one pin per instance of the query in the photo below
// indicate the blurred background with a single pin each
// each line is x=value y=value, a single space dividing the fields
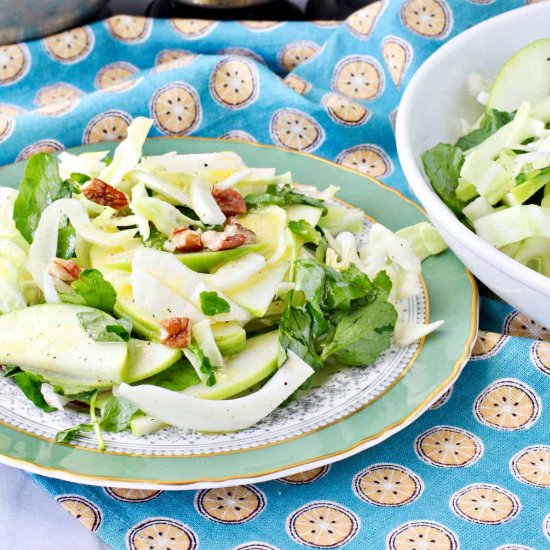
x=25 y=19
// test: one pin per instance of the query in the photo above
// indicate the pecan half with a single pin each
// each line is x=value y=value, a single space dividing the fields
x=233 y=227
x=64 y=270
x=186 y=240
x=176 y=332
x=102 y=193
x=231 y=202
x=220 y=240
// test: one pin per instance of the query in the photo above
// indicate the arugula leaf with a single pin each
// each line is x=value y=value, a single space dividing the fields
x=442 y=164
x=281 y=195
x=362 y=334
x=305 y=231
x=178 y=377
x=206 y=366
x=212 y=304
x=116 y=414
x=66 y=242
x=103 y=328
x=96 y=291
x=11 y=370
x=80 y=178
x=30 y=384
x=492 y=121
x=64 y=436
x=156 y=240
x=84 y=396
x=41 y=186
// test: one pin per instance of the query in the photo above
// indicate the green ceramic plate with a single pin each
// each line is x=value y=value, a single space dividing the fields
x=346 y=412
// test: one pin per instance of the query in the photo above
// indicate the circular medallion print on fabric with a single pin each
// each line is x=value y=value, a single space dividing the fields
x=167 y=60
x=15 y=61
x=297 y=83
x=242 y=52
x=129 y=28
x=82 y=509
x=448 y=447
x=429 y=18
x=255 y=546
x=322 y=525
x=532 y=466
x=488 y=344
x=361 y=23
x=295 y=130
x=230 y=504
x=107 y=126
x=57 y=99
x=440 y=401
x=416 y=535
x=540 y=356
x=113 y=74
x=326 y=23
x=546 y=526
x=358 y=77
x=193 y=28
x=367 y=159
x=234 y=83
x=344 y=111
x=239 y=134
x=296 y=53
x=161 y=534
x=7 y=124
x=387 y=485
x=70 y=46
x=176 y=109
x=507 y=404
x=514 y=547
x=132 y=495
x=261 y=26
x=518 y=324
x=9 y=110
x=41 y=146
x=485 y=504
x=397 y=55
x=305 y=477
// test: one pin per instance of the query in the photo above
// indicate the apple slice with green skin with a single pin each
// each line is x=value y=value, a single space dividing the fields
x=310 y=214
x=148 y=358
x=229 y=337
x=47 y=339
x=144 y=425
x=142 y=323
x=524 y=77
x=257 y=360
x=206 y=261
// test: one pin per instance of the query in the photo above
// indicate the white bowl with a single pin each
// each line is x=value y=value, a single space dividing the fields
x=430 y=112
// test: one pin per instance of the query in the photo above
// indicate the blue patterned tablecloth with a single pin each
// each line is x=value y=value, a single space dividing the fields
x=474 y=471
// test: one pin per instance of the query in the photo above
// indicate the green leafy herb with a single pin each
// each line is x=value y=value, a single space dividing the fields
x=205 y=365
x=40 y=187
x=31 y=384
x=11 y=370
x=80 y=178
x=96 y=291
x=282 y=195
x=212 y=304
x=362 y=334
x=156 y=240
x=84 y=396
x=116 y=414
x=305 y=231
x=492 y=121
x=65 y=436
x=108 y=160
x=66 y=242
x=178 y=377
x=103 y=328
x=442 y=164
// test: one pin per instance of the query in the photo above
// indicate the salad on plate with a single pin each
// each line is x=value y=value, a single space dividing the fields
x=496 y=177
x=190 y=289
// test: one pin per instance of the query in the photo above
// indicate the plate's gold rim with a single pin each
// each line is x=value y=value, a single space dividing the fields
x=454 y=374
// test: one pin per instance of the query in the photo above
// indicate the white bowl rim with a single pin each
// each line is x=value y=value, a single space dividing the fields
x=423 y=189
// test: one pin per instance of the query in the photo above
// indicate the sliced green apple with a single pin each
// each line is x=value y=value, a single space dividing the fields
x=148 y=358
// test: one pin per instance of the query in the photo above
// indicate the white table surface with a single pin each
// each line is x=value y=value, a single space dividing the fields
x=30 y=519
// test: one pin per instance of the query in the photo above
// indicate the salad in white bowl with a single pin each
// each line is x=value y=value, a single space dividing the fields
x=189 y=290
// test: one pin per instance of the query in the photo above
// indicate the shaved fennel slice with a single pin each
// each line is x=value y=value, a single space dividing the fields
x=162 y=187
x=248 y=175
x=208 y=415
x=193 y=164
x=407 y=333
x=91 y=165
x=44 y=246
x=204 y=204
x=128 y=153
x=202 y=332
x=237 y=272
